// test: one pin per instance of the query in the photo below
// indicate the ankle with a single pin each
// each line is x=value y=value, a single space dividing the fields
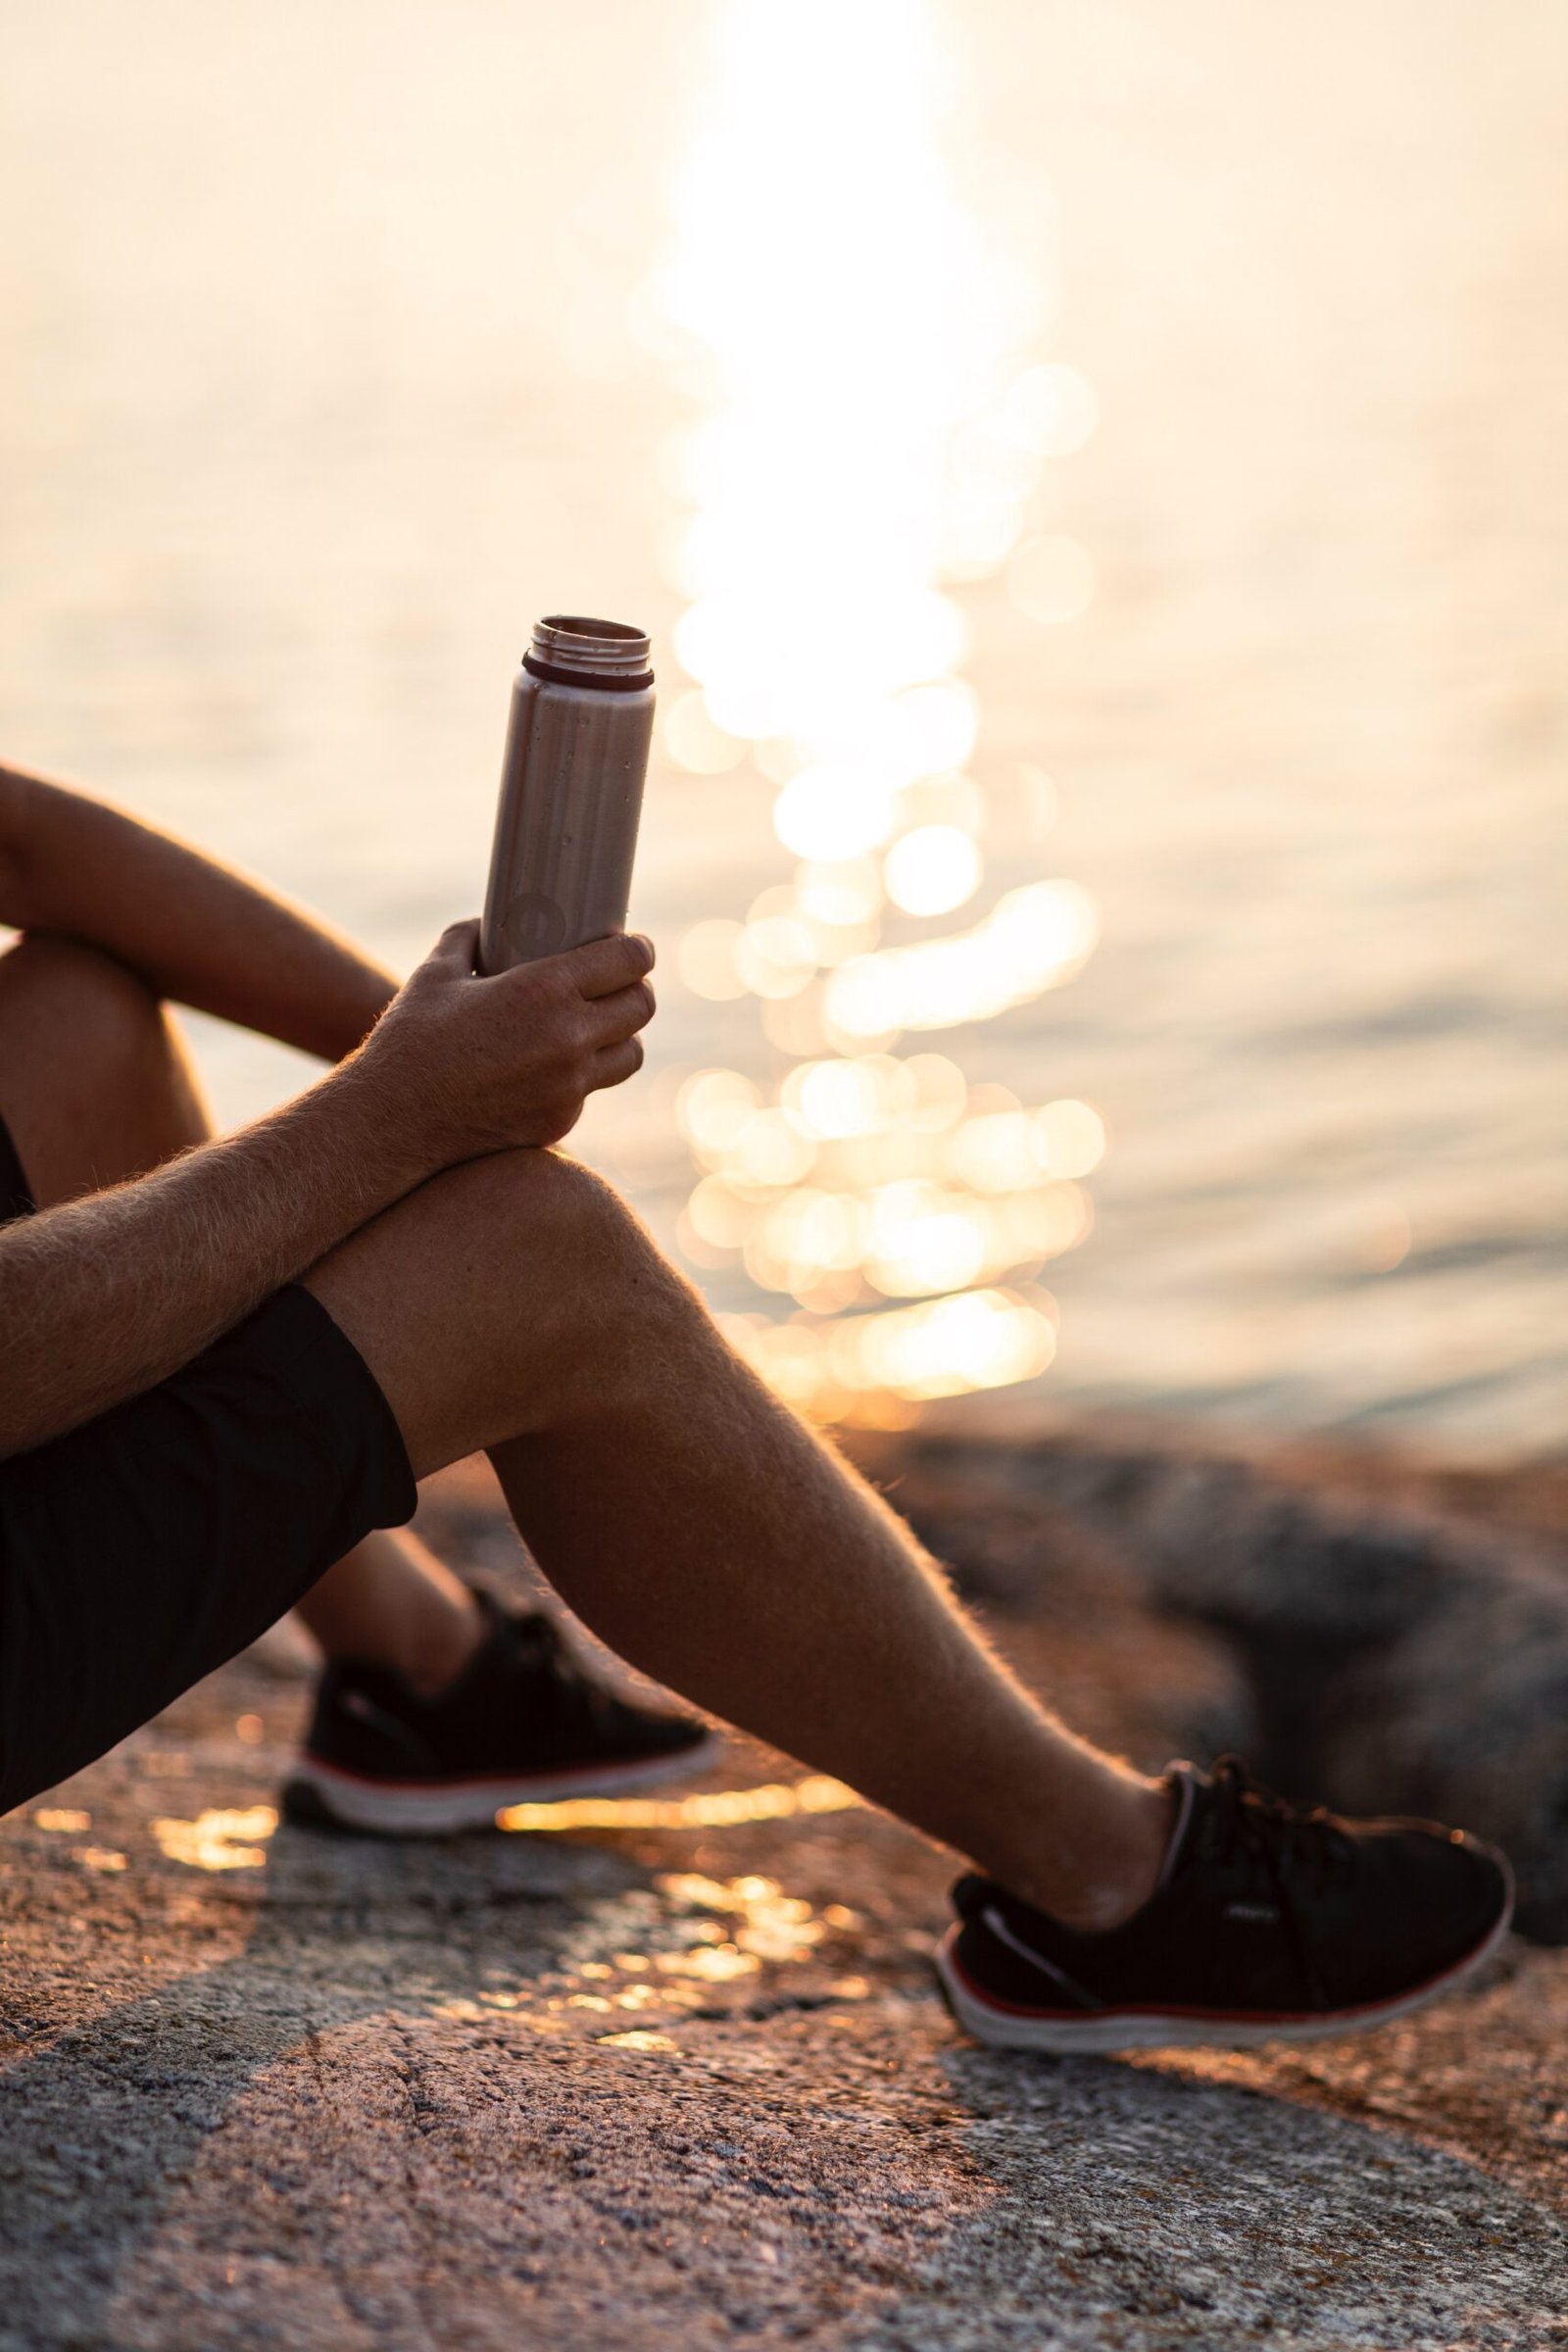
x=438 y=1651
x=1091 y=1895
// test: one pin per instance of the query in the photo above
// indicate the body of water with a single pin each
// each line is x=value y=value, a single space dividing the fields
x=1101 y=463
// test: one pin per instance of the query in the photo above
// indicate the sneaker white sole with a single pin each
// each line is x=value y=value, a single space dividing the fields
x=420 y=1808
x=1103 y=2033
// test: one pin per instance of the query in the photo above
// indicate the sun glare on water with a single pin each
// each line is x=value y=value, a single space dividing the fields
x=877 y=417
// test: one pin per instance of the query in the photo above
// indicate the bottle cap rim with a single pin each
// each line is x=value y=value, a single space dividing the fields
x=570 y=644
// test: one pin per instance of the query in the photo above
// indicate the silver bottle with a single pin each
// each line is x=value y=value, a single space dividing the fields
x=572 y=791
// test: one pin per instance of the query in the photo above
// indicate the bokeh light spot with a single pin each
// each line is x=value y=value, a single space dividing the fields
x=932 y=870
x=1050 y=410
x=695 y=743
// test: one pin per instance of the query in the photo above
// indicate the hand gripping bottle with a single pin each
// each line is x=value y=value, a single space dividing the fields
x=572 y=791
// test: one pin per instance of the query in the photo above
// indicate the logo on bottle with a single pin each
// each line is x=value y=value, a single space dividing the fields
x=534 y=926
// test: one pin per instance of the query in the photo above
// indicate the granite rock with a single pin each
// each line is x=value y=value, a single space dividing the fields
x=685 y=2085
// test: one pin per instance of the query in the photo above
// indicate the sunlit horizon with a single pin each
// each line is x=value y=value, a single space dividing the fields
x=874 y=416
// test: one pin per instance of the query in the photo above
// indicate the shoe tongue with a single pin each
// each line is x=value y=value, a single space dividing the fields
x=1182 y=1782
x=480 y=1669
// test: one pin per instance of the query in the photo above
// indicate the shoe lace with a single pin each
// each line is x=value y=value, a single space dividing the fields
x=1299 y=1851
x=543 y=1652
x=1296 y=1850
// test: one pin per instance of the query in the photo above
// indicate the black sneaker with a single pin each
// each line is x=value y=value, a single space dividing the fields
x=523 y=1724
x=1269 y=1925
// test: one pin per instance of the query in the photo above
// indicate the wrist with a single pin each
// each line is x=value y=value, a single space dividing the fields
x=362 y=1008
x=394 y=1144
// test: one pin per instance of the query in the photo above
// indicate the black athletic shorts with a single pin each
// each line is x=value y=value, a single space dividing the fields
x=151 y=1545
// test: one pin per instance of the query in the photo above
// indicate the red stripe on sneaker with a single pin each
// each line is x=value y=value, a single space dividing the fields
x=1215 y=2017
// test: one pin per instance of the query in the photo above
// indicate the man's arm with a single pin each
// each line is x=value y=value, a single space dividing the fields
x=104 y=1295
x=195 y=931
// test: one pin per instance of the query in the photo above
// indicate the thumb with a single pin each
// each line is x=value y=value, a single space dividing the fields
x=457 y=948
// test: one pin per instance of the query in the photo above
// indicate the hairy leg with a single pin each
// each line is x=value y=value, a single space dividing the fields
x=704 y=1533
x=96 y=1085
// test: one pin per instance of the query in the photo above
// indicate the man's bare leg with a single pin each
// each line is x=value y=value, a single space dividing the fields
x=691 y=1520
x=704 y=1533
x=96 y=1085
x=392 y=1602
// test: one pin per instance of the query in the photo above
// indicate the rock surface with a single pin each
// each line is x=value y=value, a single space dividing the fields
x=685 y=2083
x=1394 y=1652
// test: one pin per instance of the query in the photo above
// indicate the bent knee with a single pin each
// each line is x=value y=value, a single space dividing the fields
x=556 y=1241
x=540 y=1193
x=501 y=1296
x=94 y=1084
x=90 y=1005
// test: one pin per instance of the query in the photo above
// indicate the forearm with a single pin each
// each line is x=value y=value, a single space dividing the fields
x=197 y=932
x=104 y=1296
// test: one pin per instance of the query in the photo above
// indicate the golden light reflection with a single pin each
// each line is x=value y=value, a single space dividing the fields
x=217 y=1839
x=706 y=1938
x=767 y=1924
x=949 y=1347
x=710 y=1963
x=1033 y=939
x=920 y=1185
x=98 y=1857
x=708 y=1809
x=874 y=431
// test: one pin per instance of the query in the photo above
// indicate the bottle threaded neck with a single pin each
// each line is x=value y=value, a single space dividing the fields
x=603 y=653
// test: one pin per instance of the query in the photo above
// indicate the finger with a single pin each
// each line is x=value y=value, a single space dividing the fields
x=605 y=966
x=457 y=948
x=610 y=1018
x=614 y=1065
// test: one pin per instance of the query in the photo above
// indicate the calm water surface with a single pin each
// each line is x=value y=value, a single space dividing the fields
x=339 y=345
